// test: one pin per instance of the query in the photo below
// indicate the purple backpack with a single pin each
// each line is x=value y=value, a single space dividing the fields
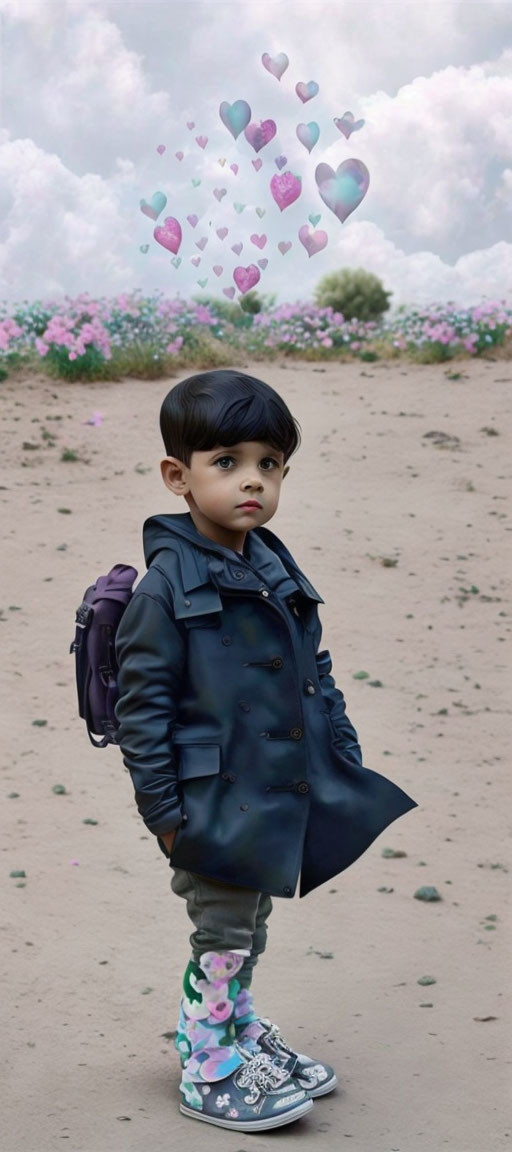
x=97 y=621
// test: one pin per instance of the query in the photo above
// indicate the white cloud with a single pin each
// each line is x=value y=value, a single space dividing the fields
x=108 y=81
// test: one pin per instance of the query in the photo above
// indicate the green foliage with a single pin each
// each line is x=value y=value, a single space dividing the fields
x=353 y=292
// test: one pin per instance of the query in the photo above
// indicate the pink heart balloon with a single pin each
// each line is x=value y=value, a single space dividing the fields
x=218 y=269
x=285 y=189
x=263 y=264
x=284 y=246
x=161 y=149
x=246 y=278
x=202 y=141
x=230 y=292
x=190 y=124
x=201 y=244
x=168 y=234
x=259 y=241
x=312 y=241
x=234 y=168
x=347 y=124
x=280 y=162
x=257 y=164
x=196 y=260
x=276 y=65
x=237 y=248
x=260 y=134
x=344 y=189
x=179 y=155
x=222 y=233
x=306 y=92
x=219 y=193
x=192 y=220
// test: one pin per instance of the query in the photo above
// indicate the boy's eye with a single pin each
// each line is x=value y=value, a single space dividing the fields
x=271 y=458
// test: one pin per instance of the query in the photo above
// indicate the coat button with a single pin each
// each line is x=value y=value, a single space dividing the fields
x=303 y=786
x=227 y=640
x=244 y=807
x=263 y=591
x=277 y=662
x=244 y=705
x=287 y=891
x=296 y=733
x=311 y=690
x=187 y=603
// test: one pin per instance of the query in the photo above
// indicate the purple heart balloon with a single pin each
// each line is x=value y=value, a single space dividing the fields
x=347 y=124
x=280 y=162
x=260 y=134
x=344 y=189
x=246 y=278
x=284 y=246
x=312 y=241
x=192 y=220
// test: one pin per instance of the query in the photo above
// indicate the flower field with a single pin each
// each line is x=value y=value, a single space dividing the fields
x=151 y=336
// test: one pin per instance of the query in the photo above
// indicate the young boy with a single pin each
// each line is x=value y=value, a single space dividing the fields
x=245 y=764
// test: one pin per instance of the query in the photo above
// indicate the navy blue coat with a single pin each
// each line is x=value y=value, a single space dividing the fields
x=231 y=724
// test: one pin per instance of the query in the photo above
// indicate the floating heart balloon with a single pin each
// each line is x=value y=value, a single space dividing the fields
x=260 y=134
x=259 y=241
x=222 y=162
x=218 y=269
x=246 y=278
x=239 y=207
x=344 y=189
x=195 y=260
x=222 y=233
x=263 y=264
x=237 y=248
x=203 y=283
x=195 y=183
x=168 y=234
x=202 y=141
x=155 y=206
x=144 y=248
x=234 y=168
x=306 y=92
x=308 y=134
x=312 y=241
x=280 y=162
x=284 y=246
x=219 y=193
x=285 y=189
x=230 y=292
x=347 y=124
x=179 y=155
x=201 y=244
x=260 y=212
x=257 y=164
x=276 y=65
x=190 y=124
x=235 y=117
x=176 y=260
x=161 y=149
x=192 y=220
x=314 y=219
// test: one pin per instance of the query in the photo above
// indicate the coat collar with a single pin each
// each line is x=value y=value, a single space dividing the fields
x=201 y=560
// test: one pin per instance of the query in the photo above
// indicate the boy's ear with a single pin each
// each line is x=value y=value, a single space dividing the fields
x=172 y=471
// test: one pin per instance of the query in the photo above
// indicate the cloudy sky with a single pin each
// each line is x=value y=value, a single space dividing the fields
x=91 y=89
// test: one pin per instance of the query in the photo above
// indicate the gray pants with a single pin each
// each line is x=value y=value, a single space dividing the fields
x=225 y=917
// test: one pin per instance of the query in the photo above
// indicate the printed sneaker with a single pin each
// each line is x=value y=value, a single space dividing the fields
x=259 y=1095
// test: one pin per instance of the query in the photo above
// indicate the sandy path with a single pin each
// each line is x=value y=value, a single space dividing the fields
x=96 y=925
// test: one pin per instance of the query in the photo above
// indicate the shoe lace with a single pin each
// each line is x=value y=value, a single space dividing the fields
x=274 y=1033
x=262 y=1072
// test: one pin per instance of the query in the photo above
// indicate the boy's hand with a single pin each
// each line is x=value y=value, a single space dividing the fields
x=168 y=839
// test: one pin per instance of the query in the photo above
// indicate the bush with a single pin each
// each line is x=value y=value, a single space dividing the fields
x=353 y=292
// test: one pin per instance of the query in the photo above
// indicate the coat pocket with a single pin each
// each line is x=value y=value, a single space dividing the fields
x=198 y=760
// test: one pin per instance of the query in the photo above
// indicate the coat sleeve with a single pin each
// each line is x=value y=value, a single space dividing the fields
x=347 y=735
x=150 y=655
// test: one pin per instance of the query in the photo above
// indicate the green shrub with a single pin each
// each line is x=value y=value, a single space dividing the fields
x=353 y=292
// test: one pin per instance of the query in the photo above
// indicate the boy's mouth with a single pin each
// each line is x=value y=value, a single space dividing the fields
x=250 y=504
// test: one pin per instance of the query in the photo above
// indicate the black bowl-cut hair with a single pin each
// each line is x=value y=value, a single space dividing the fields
x=225 y=407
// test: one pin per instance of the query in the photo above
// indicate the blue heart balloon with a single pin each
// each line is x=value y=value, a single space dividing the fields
x=235 y=117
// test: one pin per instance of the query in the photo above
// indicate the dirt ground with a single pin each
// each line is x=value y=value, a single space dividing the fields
x=406 y=536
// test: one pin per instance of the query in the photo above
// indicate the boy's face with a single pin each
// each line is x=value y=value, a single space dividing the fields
x=220 y=480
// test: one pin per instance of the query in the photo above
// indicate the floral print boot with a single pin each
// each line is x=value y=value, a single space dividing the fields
x=222 y=1082
x=258 y=1034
